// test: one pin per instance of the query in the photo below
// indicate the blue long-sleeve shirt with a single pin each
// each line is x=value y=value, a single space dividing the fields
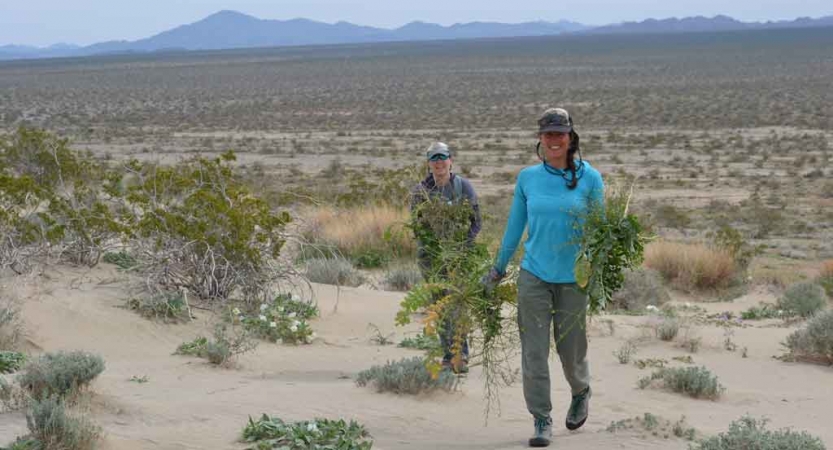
x=552 y=212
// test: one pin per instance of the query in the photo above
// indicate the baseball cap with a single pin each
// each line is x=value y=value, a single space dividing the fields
x=438 y=148
x=555 y=119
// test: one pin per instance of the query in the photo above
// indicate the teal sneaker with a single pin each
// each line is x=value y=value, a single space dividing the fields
x=543 y=433
x=579 y=407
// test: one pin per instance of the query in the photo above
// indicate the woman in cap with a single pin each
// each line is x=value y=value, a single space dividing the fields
x=442 y=183
x=549 y=201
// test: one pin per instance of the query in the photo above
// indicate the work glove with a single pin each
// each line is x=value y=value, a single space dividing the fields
x=490 y=280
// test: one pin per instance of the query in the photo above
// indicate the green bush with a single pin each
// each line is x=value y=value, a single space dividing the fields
x=227 y=344
x=803 y=299
x=762 y=311
x=11 y=323
x=407 y=376
x=11 y=361
x=421 y=342
x=751 y=434
x=668 y=328
x=60 y=373
x=402 y=278
x=282 y=320
x=164 y=305
x=50 y=427
x=814 y=342
x=121 y=259
x=642 y=287
x=337 y=271
x=695 y=382
x=273 y=433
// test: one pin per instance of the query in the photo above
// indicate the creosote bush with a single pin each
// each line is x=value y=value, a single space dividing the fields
x=803 y=299
x=695 y=382
x=61 y=374
x=407 y=376
x=273 y=433
x=814 y=342
x=751 y=434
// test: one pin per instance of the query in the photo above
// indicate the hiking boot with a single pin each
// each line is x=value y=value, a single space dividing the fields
x=543 y=433
x=579 y=408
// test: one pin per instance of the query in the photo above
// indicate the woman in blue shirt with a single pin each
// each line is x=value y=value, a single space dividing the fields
x=550 y=199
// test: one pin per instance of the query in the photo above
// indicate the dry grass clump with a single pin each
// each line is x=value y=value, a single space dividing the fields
x=825 y=278
x=335 y=271
x=691 y=266
x=814 y=342
x=368 y=235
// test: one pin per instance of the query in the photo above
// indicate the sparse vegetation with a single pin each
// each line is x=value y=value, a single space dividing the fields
x=402 y=277
x=695 y=382
x=273 y=433
x=624 y=353
x=803 y=299
x=642 y=287
x=749 y=433
x=337 y=271
x=691 y=267
x=814 y=342
x=407 y=376
x=52 y=427
x=60 y=374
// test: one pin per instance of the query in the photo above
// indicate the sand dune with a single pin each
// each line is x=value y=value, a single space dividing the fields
x=188 y=404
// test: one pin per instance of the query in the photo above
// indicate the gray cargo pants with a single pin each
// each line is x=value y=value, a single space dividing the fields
x=564 y=306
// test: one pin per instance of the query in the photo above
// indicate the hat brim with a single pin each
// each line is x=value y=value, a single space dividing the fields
x=556 y=128
x=440 y=152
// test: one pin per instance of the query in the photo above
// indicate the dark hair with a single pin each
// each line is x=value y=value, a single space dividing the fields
x=574 y=148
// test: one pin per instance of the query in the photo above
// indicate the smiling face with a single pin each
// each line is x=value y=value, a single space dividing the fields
x=440 y=168
x=555 y=145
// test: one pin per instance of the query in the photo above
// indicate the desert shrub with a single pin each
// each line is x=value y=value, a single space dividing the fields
x=51 y=427
x=751 y=434
x=337 y=271
x=803 y=299
x=421 y=342
x=733 y=241
x=282 y=320
x=228 y=343
x=655 y=425
x=52 y=194
x=695 y=382
x=11 y=324
x=122 y=259
x=762 y=311
x=814 y=342
x=60 y=374
x=667 y=328
x=825 y=278
x=11 y=361
x=164 y=305
x=691 y=266
x=642 y=287
x=273 y=433
x=624 y=353
x=407 y=376
x=402 y=278
x=672 y=217
x=196 y=228
x=369 y=236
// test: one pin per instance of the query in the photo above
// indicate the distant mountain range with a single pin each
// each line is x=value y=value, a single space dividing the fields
x=231 y=29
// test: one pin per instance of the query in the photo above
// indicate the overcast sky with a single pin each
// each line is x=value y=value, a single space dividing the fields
x=83 y=22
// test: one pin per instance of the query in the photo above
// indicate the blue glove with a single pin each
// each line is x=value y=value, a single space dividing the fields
x=491 y=280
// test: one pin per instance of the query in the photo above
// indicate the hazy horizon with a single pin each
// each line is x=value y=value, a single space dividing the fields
x=85 y=22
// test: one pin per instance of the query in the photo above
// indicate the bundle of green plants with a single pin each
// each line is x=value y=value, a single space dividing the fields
x=406 y=376
x=611 y=242
x=11 y=361
x=762 y=311
x=421 y=342
x=697 y=382
x=268 y=433
x=60 y=374
x=122 y=259
x=284 y=319
x=751 y=434
x=452 y=293
x=228 y=343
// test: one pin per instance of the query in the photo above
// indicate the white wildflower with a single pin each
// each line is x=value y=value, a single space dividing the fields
x=236 y=311
x=263 y=306
x=280 y=309
x=296 y=323
x=312 y=426
x=295 y=297
x=652 y=308
x=293 y=328
x=291 y=315
x=273 y=325
x=263 y=318
x=687 y=305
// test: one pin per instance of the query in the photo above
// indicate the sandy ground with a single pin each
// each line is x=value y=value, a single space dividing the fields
x=188 y=404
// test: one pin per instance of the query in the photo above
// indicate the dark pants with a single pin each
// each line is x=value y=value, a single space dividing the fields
x=446 y=329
